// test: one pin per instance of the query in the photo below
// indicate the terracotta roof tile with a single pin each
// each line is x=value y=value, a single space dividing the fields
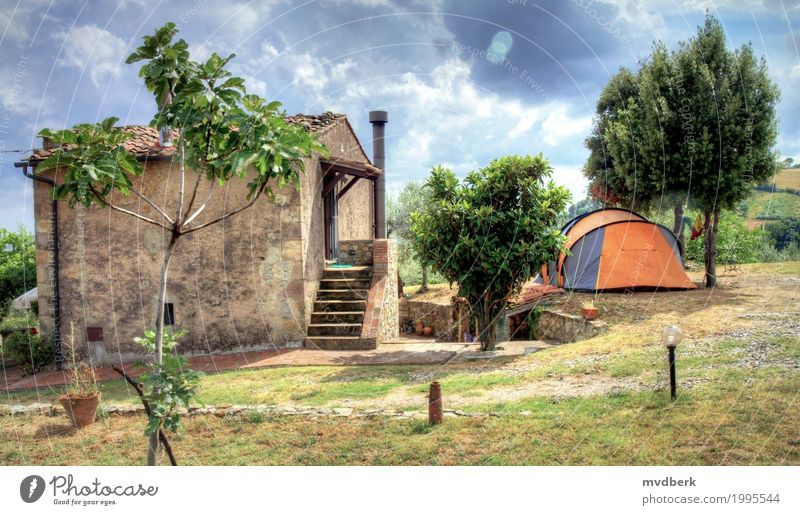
x=144 y=142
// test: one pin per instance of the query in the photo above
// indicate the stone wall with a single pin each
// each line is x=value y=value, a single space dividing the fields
x=247 y=283
x=341 y=141
x=449 y=322
x=381 y=316
x=566 y=328
x=385 y=263
x=356 y=252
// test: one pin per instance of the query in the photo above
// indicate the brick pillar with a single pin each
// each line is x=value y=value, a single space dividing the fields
x=384 y=256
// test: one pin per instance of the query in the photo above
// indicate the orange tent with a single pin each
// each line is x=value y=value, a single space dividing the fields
x=617 y=249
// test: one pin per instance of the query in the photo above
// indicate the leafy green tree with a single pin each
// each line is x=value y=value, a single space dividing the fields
x=221 y=133
x=17 y=265
x=731 y=103
x=490 y=232
x=610 y=181
x=413 y=198
x=702 y=127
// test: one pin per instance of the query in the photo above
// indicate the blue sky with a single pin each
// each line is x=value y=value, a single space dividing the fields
x=449 y=100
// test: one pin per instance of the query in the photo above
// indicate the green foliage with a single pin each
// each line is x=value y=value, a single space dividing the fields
x=94 y=160
x=412 y=199
x=168 y=387
x=17 y=265
x=19 y=320
x=30 y=352
x=784 y=232
x=492 y=231
x=736 y=243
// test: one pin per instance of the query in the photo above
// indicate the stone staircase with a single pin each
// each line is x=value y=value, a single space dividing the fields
x=336 y=322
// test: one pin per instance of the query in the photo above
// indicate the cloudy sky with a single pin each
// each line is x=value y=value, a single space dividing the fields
x=463 y=80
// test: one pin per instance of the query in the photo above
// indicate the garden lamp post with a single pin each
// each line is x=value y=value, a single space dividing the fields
x=671 y=336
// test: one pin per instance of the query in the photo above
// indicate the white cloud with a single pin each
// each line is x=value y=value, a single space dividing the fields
x=94 y=49
x=309 y=72
x=795 y=72
x=559 y=126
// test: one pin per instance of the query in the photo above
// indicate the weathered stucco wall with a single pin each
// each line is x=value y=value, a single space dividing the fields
x=235 y=285
x=355 y=212
x=244 y=284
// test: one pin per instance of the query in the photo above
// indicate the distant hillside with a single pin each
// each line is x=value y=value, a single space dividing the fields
x=788 y=179
x=769 y=205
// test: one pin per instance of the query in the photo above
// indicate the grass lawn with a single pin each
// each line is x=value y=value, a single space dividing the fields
x=599 y=401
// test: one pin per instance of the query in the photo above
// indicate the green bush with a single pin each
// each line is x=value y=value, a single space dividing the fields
x=736 y=243
x=30 y=352
x=19 y=320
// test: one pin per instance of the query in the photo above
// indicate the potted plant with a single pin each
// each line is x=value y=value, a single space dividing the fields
x=82 y=396
x=419 y=328
x=427 y=330
x=589 y=310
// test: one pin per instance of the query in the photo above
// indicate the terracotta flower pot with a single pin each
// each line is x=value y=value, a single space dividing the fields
x=589 y=313
x=81 y=409
x=427 y=331
x=419 y=328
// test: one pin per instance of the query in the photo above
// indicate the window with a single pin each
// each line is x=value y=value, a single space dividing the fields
x=169 y=313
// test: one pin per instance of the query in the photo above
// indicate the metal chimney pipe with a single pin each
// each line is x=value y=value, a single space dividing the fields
x=378 y=120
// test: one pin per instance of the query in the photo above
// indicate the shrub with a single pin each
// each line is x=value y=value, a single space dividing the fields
x=19 y=320
x=30 y=352
x=736 y=243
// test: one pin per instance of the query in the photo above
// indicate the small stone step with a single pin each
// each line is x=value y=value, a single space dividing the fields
x=340 y=343
x=339 y=305
x=362 y=272
x=353 y=283
x=334 y=329
x=337 y=317
x=342 y=294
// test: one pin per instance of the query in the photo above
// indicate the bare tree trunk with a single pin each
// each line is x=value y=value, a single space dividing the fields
x=486 y=320
x=424 y=286
x=153 y=446
x=677 y=226
x=711 y=228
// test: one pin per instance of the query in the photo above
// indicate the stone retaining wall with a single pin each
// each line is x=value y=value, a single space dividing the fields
x=566 y=328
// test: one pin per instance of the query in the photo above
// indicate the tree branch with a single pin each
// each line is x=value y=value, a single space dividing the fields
x=153 y=205
x=179 y=214
x=138 y=387
x=227 y=215
x=201 y=208
x=103 y=202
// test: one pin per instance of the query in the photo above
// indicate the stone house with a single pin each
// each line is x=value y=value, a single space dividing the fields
x=262 y=279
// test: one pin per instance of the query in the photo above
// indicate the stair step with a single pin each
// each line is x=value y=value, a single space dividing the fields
x=360 y=272
x=337 y=317
x=340 y=343
x=353 y=283
x=336 y=306
x=334 y=329
x=343 y=294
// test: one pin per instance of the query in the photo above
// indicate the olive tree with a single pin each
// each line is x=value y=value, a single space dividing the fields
x=701 y=128
x=490 y=232
x=413 y=198
x=221 y=133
